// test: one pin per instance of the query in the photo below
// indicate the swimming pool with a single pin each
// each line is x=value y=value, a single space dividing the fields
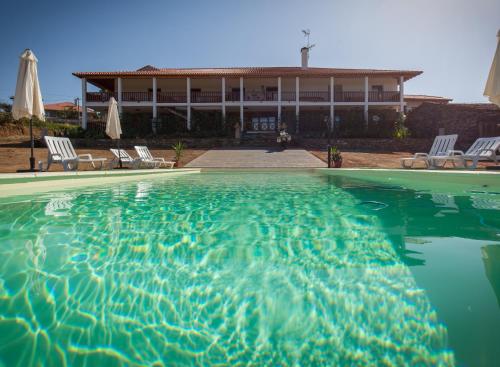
x=250 y=268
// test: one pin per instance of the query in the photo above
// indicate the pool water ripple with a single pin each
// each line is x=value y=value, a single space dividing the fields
x=210 y=269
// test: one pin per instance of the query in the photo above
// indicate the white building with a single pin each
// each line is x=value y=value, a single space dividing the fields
x=257 y=97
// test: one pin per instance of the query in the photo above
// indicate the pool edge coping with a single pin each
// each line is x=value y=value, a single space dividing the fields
x=74 y=180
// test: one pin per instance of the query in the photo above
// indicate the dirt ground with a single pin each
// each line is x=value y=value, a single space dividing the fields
x=376 y=160
x=14 y=156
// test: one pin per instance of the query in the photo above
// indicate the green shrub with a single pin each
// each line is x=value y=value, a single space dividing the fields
x=400 y=130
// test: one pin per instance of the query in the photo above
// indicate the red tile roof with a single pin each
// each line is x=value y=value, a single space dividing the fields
x=149 y=70
x=64 y=106
x=424 y=98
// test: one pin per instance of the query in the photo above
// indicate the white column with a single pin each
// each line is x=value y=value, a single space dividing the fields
x=366 y=100
x=84 y=103
x=297 y=103
x=155 y=107
x=279 y=99
x=297 y=92
x=332 y=106
x=120 y=107
x=242 y=97
x=188 y=102
x=401 y=94
x=223 y=98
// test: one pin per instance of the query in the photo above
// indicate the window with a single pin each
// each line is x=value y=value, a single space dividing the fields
x=378 y=88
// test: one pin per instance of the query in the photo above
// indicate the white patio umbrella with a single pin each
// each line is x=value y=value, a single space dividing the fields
x=113 y=125
x=492 y=89
x=28 y=98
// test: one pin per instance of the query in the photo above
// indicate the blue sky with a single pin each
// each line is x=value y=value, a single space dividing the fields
x=452 y=41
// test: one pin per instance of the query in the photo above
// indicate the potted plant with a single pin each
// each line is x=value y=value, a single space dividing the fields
x=178 y=151
x=335 y=157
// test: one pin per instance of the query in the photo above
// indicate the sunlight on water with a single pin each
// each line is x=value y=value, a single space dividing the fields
x=210 y=269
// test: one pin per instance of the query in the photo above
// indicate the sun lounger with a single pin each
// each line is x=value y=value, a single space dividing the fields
x=441 y=146
x=127 y=159
x=146 y=156
x=61 y=151
x=483 y=149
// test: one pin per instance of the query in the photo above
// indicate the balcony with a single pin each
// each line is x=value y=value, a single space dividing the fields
x=389 y=96
x=288 y=96
x=99 y=96
x=171 y=97
x=267 y=96
x=206 y=97
x=234 y=96
x=349 y=96
x=314 y=96
x=137 y=96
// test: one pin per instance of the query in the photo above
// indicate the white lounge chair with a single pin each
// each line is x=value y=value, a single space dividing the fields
x=441 y=146
x=146 y=156
x=61 y=151
x=127 y=159
x=483 y=149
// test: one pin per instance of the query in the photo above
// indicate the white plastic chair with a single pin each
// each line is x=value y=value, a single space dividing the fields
x=127 y=159
x=483 y=149
x=61 y=151
x=146 y=156
x=441 y=146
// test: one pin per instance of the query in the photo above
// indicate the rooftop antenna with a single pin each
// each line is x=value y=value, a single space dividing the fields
x=307 y=34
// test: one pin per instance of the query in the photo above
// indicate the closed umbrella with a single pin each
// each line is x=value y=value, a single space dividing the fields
x=113 y=126
x=28 y=98
x=492 y=89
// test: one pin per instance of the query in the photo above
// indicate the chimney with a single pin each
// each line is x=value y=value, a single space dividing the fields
x=304 y=52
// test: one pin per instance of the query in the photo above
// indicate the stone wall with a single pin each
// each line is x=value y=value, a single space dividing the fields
x=469 y=121
x=371 y=144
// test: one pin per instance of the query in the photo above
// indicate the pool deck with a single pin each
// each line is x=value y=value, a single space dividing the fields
x=256 y=158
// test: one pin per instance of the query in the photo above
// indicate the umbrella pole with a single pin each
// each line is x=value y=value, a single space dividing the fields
x=32 y=145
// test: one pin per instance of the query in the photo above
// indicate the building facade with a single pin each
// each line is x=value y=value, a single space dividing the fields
x=259 y=98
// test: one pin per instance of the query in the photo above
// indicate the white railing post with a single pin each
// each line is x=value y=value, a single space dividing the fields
x=84 y=103
x=242 y=97
x=120 y=107
x=155 y=107
x=188 y=102
x=279 y=100
x=401 y=94
x=366 y=100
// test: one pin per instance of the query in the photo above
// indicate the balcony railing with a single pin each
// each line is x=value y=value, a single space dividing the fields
x=137 y=96
x=206 y=97
x=234 y=96
x=99 y=96
x=389 y=96
x=288 y=96
x=171 y=97
x=314 y=96
x=349 y=96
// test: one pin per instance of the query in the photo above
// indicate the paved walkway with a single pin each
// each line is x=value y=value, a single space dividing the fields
x=256 y=158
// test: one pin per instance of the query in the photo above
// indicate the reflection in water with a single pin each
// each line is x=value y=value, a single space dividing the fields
x=441 y=238
x=491 y=259
x=59 y=205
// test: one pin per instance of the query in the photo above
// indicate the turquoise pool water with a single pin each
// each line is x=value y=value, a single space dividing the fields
x=285 y=268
